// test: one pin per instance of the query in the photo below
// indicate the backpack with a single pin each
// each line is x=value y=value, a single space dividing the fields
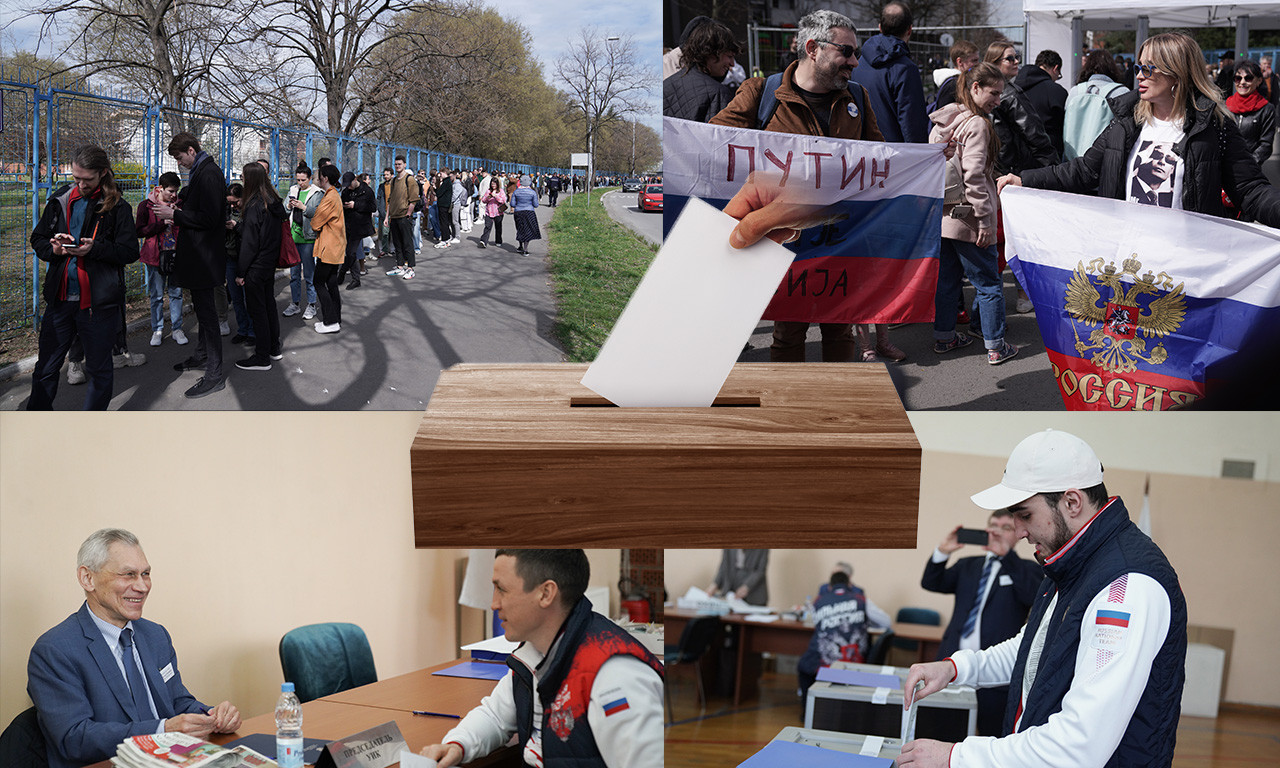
x=769 y=101
x=1088 y=113
x=933 y=106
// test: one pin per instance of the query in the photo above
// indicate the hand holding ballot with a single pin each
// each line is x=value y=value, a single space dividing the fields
x=765 y=209
x=445 y=755
x=935 y=675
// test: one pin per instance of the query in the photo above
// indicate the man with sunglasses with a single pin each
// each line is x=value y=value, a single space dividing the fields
x=813 y=98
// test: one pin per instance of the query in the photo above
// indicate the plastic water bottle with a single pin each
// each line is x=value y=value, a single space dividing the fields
x=288 y=728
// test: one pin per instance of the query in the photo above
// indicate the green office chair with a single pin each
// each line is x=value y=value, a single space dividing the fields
x=323 y=659
x=915 y=616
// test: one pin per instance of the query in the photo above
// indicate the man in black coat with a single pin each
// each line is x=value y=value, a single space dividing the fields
x=201 y=257
x=993 y=593
x=1039 y=82
x=358 y=205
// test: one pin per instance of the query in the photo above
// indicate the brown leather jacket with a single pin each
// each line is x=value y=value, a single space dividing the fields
x=793 y=114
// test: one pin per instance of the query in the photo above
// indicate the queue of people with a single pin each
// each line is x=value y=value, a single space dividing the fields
x=216 y=248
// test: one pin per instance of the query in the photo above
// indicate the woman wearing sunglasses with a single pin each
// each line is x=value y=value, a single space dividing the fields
x=1255 y=116
x=1173 y=144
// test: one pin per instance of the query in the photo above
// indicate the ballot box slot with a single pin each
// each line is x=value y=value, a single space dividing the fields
x=720 y=402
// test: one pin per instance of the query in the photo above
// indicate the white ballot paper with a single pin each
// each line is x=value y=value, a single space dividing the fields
x=413 y=760
x=685 y=325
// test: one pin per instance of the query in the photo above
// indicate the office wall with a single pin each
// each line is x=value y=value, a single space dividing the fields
x=1219 y=534
x=253 y=524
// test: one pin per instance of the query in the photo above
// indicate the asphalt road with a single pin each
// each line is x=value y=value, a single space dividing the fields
x=622 y=208
x=465 y=304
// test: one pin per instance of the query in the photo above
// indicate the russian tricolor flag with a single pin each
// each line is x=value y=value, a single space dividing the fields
x=877 y=263
x=1144 y=308
x=1113 y=618
x=616 y=706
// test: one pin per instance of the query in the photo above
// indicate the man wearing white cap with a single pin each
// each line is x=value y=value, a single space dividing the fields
x=1095 y=677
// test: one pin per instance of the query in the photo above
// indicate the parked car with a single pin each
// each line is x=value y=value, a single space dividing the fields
x=650 y=198
x=632 y=185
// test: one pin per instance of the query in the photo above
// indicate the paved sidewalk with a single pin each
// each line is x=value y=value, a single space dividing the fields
x=466 y=304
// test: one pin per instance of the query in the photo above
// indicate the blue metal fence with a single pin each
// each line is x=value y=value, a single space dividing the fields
x=40 y=128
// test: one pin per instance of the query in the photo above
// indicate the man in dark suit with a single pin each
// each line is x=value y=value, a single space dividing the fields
x=993 y=595
x=201 y=255
x=105 y=673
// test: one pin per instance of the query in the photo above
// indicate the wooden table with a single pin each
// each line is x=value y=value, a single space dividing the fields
x=358 y=709
x=928 y=636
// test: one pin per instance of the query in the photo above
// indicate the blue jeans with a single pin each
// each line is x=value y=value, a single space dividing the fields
x=433 y=220
x=244 y=324
x=961 y=258
x=417 y=231
x=156 y=288
x=306 y=270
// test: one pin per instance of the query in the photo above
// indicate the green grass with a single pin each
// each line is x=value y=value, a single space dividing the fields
x=596 y=264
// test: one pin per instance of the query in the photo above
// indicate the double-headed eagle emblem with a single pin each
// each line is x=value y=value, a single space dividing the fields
x=1120 y=322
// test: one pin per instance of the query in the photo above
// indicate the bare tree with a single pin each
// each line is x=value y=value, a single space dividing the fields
x=336 y=40
x=606 y=82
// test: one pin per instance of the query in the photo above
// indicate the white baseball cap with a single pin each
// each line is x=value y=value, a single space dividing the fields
x=1046 y=462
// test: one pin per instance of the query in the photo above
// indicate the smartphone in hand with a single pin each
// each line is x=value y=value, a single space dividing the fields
x=972 y=536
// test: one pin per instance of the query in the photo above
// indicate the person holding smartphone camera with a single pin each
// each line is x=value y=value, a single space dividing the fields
x=87 y=237
x=993 y=593
x=969 y=214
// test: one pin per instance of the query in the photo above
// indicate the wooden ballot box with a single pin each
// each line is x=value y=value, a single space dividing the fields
x=948 y=715
x=791 y=455
x=853 y=743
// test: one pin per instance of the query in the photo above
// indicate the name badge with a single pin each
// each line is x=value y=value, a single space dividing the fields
x=167 y=672
x=1005 y=580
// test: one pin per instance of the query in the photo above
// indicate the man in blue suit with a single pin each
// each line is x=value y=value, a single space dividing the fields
x=1001 y=585
x=105 y=673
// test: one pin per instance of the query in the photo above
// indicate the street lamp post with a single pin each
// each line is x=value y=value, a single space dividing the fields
x=591 y=134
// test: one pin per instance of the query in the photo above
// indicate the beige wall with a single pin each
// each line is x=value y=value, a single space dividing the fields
x=1220 y=535
x=253 y=524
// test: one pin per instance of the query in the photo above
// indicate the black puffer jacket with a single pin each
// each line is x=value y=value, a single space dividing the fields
x=692 y=94
x=115 y=245
x=1023 y=141
x=1213 y=153
x=1258 y=129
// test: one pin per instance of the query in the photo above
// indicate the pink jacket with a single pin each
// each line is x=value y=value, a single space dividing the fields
x=151 y=230
x=491 y=202
x=972 y=135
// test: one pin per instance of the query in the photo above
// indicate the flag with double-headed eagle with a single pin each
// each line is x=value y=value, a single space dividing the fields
x=1144 y=308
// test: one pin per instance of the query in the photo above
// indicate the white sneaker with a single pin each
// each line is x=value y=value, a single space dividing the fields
x=292 y=309
x=322 y=328
x=444 y=244
x=309 y=312
x=224 y=329
x=1024 y=305
x=155 y=338
x=75 y=373
x=408 y=274
x=179 y=336
x=454 y=241
x=396 y=272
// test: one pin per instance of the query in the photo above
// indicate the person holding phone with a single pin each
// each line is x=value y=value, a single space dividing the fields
x=994 y=592
x=87 y=237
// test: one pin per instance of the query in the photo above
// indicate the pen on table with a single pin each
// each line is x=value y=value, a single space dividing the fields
x=435 y=714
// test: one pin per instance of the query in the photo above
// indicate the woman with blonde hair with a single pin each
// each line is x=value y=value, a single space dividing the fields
x=1173 y=144
x=969 y=214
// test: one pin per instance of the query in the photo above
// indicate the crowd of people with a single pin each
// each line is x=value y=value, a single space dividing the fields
x=1173 y=139
x=217 y=248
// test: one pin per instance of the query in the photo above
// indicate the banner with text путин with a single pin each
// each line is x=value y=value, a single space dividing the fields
x=876 y=263
x=1144 y=308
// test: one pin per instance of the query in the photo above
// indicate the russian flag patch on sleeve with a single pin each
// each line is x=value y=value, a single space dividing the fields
x=616 y=706
x=1113 y=618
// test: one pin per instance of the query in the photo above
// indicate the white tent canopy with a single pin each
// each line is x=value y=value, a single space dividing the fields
x=1058 y=25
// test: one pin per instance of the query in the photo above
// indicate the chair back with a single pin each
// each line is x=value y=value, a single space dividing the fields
x=695 y=640
x=880 y=649
x=323 y=659
x=22 y=743
x=911 y=615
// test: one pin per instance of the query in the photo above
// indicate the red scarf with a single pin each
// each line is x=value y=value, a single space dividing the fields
x=1243 y=105
x=82 y=276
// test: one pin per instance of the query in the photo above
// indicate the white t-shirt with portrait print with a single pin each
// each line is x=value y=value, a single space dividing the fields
x=1155 y=171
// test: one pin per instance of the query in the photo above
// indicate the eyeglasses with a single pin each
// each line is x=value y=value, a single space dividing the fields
x=1244 y=78
x=1147 y=70
x=1012 y=59
x=847 y=51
